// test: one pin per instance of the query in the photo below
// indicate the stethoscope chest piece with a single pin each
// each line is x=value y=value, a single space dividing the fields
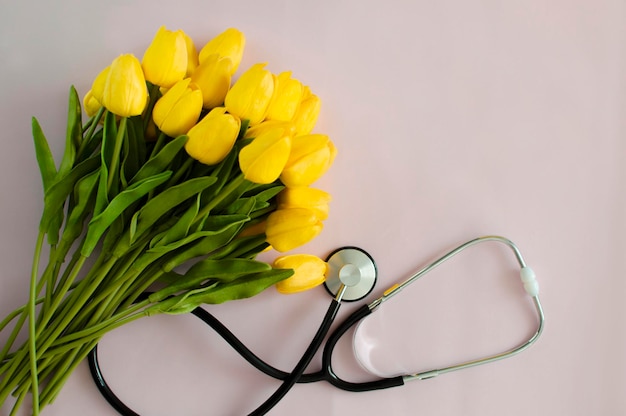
x=354 y=268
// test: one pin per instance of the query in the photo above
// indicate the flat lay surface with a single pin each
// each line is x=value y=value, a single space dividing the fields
x=452 y=120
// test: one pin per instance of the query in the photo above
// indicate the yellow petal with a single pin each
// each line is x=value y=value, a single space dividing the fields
x=286 y=99
x=263 y=160
x=309 y=271
x=165 y=60
x=228 y=44
x=178 y=110
x=251 y=94
x=125 y=93
x=290 y=228
x=213 y=137
x=304 y=197
x=212 y=76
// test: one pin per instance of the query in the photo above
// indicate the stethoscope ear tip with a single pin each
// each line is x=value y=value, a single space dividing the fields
x=354 y=268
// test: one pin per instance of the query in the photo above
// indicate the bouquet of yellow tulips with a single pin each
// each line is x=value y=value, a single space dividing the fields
x=178 y=179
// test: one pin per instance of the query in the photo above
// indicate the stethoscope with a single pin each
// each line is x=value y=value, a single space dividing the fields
x=352 y=276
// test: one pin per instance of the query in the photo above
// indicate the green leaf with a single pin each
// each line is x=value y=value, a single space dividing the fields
x=167 y=200
x=123 y=200
x=226 y=270
x=58 y=192
x=244 y=287
x=203 y=242
x=181 y=228
x=45 y=160
x=73 y=134
x=84 y=196
x=134 y=149
x=106 y=154
x=161 y=160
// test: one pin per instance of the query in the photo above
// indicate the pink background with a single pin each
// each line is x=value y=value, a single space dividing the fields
x=453 y=119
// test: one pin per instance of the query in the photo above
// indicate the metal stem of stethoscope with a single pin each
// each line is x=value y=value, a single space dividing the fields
x=530 y=285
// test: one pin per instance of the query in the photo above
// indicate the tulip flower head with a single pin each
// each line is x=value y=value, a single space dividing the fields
x=290 y=228
x=307 y=113
x=125 y=93
x=192 y=55
x=91 y=104
x=267 y=125
x=212 y=76
x=310 y=158
x=228 y=44
x=263 y=160
x=302 y=197
x=165 y=61
x=178 y=110
x=309 y=271
x=97 y=88
x=213 y=137
x=287 y=97
x=251 y=94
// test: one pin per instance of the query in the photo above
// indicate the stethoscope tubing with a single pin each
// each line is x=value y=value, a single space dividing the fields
x=327 y=373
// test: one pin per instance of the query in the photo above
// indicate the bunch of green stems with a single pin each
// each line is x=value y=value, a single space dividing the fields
x=122 y=215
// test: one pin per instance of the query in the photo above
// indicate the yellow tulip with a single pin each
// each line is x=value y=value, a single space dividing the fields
x=228 y=44
x=213 y=137
x=251 y=94
x=290 y=228
x=263 y=127
x=125 y=93
x=307 y=113
x=165 y=60
x=309 y=271
x=192 y=55
x=97 y=88
x=179 y=109
x=287 y=97
x=90 y=104
x=264 y=158
x=310 y=158
x=212 y=76
x=303 y=197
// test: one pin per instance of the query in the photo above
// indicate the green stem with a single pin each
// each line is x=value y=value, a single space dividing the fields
x=119 y=139
x=32 y=318
x=153 y=91
x=70 y=341
x=158 y=145
x=180 y=172
x=93 y=123
x=59 y=296
x=224 y=193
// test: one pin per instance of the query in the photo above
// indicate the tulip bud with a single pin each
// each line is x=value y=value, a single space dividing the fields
x=301 y=197
x=249 y=97
x=212 y=76
x=291 y=228
x=309 y=271
x=287 y=97
x=310 y=158
x=263 y=160
x=307 y=113
x=192 y=55
x=90 y=104
x=213 y=137
x=263 y=127
x=165 y=60
x=228 y=44
x=125 y=93
x=178 y=110
x=97 y=88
